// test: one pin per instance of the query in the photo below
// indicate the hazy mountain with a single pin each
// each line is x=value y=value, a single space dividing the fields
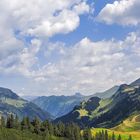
x=136 y=83
x=97 y=112
x=108 y=93
x=12 y=103
x=60 y=105
x=30 y=98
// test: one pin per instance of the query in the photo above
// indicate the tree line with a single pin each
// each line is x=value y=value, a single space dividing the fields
x=47 y=129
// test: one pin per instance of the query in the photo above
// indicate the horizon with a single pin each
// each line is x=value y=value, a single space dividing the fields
x=67 y=47
x=73 y=94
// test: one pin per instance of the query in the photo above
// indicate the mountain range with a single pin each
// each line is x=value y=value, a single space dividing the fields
x=58 y=106
x=109 y=112
x=10 y=102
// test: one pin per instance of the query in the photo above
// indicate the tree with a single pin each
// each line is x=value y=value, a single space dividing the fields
x=2 y=122
x=36 y=123
x=106 y=135
x=77 y=133
x=10 y=121
x=119 y=137
x=61 y=128
x=113 y=136
x=24 y=124
x=16 y=122
x=87 y=134
x=130 y=137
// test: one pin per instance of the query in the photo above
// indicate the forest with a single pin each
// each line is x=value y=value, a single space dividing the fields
x=11 y=128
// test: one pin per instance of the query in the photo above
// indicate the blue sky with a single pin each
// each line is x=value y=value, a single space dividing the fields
x=72 y=46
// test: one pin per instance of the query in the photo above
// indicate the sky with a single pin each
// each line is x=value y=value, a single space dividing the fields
x=50 y=47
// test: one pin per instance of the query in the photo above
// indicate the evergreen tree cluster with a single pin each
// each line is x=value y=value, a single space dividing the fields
x=47 y=129
x=101 y=135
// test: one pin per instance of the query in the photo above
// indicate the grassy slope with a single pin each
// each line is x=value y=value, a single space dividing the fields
x=12 y=134
x=130 y=126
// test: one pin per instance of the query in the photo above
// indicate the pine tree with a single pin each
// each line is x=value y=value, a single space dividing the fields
x=87 y=134
x=10 y=121
x=130 y=137
x=77 y=133
x=16 y=122
x=2 y=121
x=106 y=135
x=113 y=136
x=36 y=123
x=119 y=137
x=61 y=128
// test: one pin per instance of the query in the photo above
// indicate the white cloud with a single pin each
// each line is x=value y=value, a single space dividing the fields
x=86 y=67
x=34 y=20
x=91 y=66
x=123 y=12
x=41 y=17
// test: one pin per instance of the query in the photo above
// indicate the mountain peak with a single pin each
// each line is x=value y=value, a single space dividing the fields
x=78 y=94
x=5 y=92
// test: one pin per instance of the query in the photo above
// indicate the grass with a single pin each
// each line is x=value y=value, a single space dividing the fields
x=124 y=135
x=16 y=103
x=130 y=126
x=82 y=112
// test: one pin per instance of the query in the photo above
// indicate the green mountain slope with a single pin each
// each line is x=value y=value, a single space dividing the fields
x=58 y=106
x=109 y=112
x=12 y=103
x=108 y=93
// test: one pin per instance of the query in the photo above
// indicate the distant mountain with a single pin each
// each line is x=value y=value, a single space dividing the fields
x=12 y=103
x=30 y=98
x=136 y=83
x=60 y=105
x=108 y=93
x=97 y=112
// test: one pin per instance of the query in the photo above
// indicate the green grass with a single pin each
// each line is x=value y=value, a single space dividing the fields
x=124 y=135
x=16 y=103
x=82 y=112
x=130 y=126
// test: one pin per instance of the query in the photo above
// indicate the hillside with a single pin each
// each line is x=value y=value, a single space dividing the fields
x=130 y=126
x=109 y=112
x=58 y=106
x=108 y=93
x=10 y=102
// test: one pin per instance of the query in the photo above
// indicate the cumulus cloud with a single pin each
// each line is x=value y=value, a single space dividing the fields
x=86 y=67
x=55 y=68
x=26 y=24
x=90 y=66
x=123 y=12
x=43 y=18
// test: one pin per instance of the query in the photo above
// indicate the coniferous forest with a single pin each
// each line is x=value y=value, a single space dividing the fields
x=11 y=128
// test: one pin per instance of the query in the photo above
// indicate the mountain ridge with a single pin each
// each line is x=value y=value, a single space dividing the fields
x=10 y=102
x=109 y=112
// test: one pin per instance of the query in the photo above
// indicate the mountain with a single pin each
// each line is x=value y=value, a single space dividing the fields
x=97 y=112
x=30 y=98
x=10 y=102
x=136 y=83
x=59 y=105
x=108 y=93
